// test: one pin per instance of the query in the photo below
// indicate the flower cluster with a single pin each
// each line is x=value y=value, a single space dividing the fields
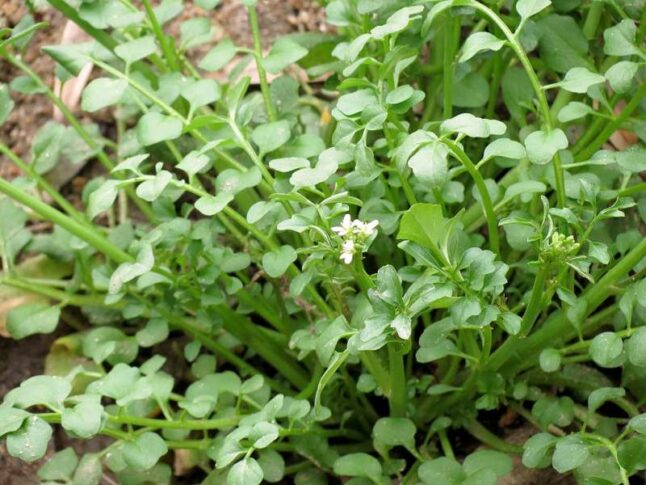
x=354 y=233
x=560 y=248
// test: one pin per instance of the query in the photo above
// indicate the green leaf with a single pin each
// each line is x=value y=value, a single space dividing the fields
x=201 y=92
x=245 y=472
x=603 y=394
x=635 y=348
x=358 y=465
x=32 y=319
x=102 y=198
x=284 y=52
x=570 y=452
x=517 y=93
x=196 y=31
x=620 y=39
x=136 y=49
x=550 y=360
x=153 y=187
x=579 y=80
x=271 y=136
x=209 y=205
x=47 y=147
x=6 y=103
x=144 y=451
x=554 y=410
x=607 y=349
x=574 y=110
x=637 y=423
x=129 y=271
x=272 y=464
x=397 y=22
x=425 y=225
x=60 y=467
x=529 y=8
x=500 y=463
x=480 y=42
x=562 y=44
x=632 y=454
x=504 y=148
x=11 y=419
x=537 y=450
x=309 y=177
x=276 y=262
x=620 y=76
x=72 y=57
x=84 y=419
x=89 y=470
x=542 y=145
x=289 y=164
x=469 y=125
x=430 y=163
x=471 y=91
x=155 y=127
x=441 y=470
x=30 y=442
x=219 y=56
x=49 y=391
x=388 y=432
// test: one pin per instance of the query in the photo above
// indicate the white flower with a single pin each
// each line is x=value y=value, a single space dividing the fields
x=346 y=226
x=347 y=251
x=365 y=229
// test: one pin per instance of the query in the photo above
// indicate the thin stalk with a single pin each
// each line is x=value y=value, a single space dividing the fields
x=262 y=74
x=167 y=49
x=449 y=44
x=535 y=302
x=42 y=183
x=591 y=148
x=488 y=438
x=398 y=389
x=76 y=125
x=487 y=205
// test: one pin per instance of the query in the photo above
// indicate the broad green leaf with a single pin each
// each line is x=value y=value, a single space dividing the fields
x=607 y=349
x=358 y=465
x=542 y=145
x=599 y=396
x=83 y=420
x=354 y=103
x=620 y=39
x=26 y=85
x=635 y=347
x=60 y=466
x=554 y=410
x=272 y=464
x=517 y=93
x=11 y=419
x=480 y=42
x=579 y=80
x=430 y=164
x=245 y=472
x=89 y=470
x=193 y=163
x=47 y=147
x=499 y=463
x=129 y=271
x=202 y=92
x=632 y=454
x=219 y=56
x=471 y=91
x=574 y=110
x=30 y=442
x=276 y=262
x=233 y=181
x=505 y=148
x=72 y=57
x=289 y=164
x=153 y=187
x=397 y=22
x=102 y=198
x=46 y=390
x=6 y=103
x=562 y=44
x=156 y=127
x=570 y=453
x=637 y=423
x=271 y=136
x=537 y=451
x=284 y=52
x=210 y=205
x=309 y=177
x=529 y=8
x=196 y=31
x=144 y=451
x=394 y=432
x=136 y=49
x=32 y=319
x=472 y=126
x=425 y=225
x=620 y=76
x=441 y=470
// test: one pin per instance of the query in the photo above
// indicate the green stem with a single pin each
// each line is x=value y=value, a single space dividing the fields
x=535 y=303
x=449 y=43
x=398 y=389
x=591 y=148
x=487 y=205
x=167 y=49
x=42 y=183
x=262 y=75
x=487 y=437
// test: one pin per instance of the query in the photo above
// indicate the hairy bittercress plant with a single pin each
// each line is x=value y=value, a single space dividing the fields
x=434 y=231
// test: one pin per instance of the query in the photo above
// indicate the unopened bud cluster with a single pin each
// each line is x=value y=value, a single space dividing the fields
x=560 y=247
